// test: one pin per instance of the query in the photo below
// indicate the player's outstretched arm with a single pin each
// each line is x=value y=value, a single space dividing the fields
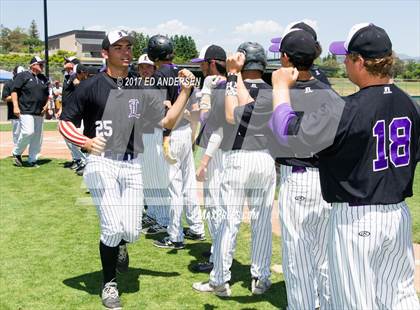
x=175 y=113
x=70 y=133
x=236 y=93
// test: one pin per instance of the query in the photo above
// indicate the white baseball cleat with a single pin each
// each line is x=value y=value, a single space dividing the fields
x=259 y=287
x=219 y=290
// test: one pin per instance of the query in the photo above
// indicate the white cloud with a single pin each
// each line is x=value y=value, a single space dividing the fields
x=170 y=27
x=259 y=27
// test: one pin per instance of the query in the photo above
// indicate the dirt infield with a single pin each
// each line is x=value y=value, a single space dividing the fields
x=54 y=147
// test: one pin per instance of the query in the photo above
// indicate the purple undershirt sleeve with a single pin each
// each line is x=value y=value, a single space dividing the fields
x=279 y=121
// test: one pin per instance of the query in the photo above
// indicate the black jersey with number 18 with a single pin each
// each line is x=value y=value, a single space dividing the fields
x=376 y=148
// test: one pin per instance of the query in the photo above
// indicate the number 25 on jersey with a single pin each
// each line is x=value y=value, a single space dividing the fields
x=103 y=128
x=399 y=133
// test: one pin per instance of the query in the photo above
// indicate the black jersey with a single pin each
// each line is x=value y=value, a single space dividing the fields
x=250 y=131
x=319 y=75
x=32 y=91
x=376 y=149
x=7 y=91
x=118 y=114
x=305 y=97
x=166 y=79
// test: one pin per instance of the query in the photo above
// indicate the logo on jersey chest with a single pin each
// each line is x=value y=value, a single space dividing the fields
x=387 y=90
x=133 y=105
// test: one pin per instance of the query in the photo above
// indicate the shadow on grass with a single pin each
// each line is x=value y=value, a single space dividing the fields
x=127 y=282
x=276 y=295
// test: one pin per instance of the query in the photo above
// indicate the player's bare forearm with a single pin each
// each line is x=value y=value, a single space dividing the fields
x=175 y=113
x=16 y=110
x=282 y=79
x=243 y=95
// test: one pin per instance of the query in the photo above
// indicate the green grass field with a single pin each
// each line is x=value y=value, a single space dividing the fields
x=48 y=126
x=344 y=87
x=49 y=247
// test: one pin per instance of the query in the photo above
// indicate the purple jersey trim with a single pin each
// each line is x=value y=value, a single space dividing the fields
x=203 y=117
x=279 y=121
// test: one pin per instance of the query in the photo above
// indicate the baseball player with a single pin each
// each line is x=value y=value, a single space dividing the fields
x=366 y=172
x=114 y=113
x=303 y=212
x=70 y=65
x=178 y=152
x=248 y=170
x=145 y=67
x=212 y=60
x=79 y=158
x=7 y=96
x=30 y=96
x=156 y=169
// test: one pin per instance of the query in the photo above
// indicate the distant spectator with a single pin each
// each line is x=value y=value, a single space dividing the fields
x=57 y=91
x=30 y=102
x=79 y=158
x=7 y=97
x=145 y=66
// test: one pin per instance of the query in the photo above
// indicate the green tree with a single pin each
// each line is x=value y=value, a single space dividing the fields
x=16 y=39
x=140 y=43
x=33 y=30
x=184 y=47
x=399 y=67
x=4 y=39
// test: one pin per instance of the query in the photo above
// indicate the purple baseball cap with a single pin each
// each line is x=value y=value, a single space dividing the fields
x=274 y=48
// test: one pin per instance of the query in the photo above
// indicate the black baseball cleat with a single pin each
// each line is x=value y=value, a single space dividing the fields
x=188 y=234
x=123 y=259
x=155 y=229
x=203 y=267
x=76 y=164
x=166 y=243
x=147 y=222
x=17 y=160
x=110 y=296
x=80 y=169
x=68 y=164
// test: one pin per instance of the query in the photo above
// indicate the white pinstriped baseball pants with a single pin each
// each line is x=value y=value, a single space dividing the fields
x=251 y=175
x=213 y=210
x=183 y=186
x=371 y=257
x=156 y=178
x=304 y=218
x=117 y=191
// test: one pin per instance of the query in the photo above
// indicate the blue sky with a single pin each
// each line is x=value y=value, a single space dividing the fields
x=227 y=23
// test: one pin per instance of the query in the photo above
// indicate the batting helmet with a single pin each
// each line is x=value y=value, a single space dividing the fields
x=160 y=48
x=255 y=58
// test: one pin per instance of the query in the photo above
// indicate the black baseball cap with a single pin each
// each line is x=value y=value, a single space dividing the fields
x=210 y=52
x=299 y=43
x=36 y=60
x=304 y=26
x=366 y=39
x=72 y=59
x=114 y=36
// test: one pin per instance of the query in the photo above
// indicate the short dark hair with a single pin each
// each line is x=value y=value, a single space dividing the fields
x=301 y=63
x=220 y=66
